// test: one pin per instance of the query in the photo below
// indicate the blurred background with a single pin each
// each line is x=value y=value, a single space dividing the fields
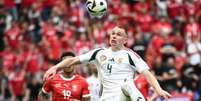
x=34 y=33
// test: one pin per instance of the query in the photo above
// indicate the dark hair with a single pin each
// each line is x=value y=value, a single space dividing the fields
x=67 y=54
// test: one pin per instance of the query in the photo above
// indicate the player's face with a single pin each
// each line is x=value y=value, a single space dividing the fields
x=118 y=37
x=68 y=69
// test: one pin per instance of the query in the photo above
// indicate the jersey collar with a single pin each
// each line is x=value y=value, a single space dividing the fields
x=67 y=79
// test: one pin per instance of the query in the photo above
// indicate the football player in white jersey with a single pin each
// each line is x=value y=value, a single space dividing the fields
x=116 y=66
x=94 y=82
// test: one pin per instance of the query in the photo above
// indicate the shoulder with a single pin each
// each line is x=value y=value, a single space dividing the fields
x=97 y=50
x=56 y=77
x=81 y=79
x=131 y=53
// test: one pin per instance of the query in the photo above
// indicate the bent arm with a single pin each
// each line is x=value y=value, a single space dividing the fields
x=152 y=81
x=42 y=96
x=67 y=62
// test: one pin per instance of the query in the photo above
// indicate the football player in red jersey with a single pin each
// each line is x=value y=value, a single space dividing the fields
x=66 y=86
x=143 y=85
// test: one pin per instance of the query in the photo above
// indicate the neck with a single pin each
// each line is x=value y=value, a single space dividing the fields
x=116 y=48
x=67 y=75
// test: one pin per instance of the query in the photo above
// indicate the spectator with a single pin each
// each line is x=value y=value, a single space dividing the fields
x=54 y=26
x=170 y=75
x=94 y=83
x=166 y=74
x=9 y=60
x=162 y=7
x=17 y=84
x=2 y=27
x=47 y=9
x=5 y=93
x=139 y=45
x=33 y=88
x=11 y=8
x=189 y=78
x=168 y=49
x=13 y=35
x=194 y=52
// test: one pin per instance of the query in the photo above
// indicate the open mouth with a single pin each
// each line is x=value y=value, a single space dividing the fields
x=113 y=41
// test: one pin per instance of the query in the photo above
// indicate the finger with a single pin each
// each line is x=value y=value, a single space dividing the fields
x=46 y=76
x=50 y=77
x=165 y=97
x=169 y=95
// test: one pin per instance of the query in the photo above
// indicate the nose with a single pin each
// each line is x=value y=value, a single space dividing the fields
x=113 y=36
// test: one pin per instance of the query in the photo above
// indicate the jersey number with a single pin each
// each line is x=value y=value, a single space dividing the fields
x=109 y=68
x=139 y=98
x=66 y=93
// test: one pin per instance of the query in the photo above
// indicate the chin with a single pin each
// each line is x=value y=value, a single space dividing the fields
x=70 y=71
x=113 y=45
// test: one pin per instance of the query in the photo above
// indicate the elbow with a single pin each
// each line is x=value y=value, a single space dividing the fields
x=42 y=96
x=147 y=73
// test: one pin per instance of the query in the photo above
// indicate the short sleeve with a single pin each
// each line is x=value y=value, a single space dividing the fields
x=85 y=91
x=138 y=63
x=89 y=56
x=47 y=87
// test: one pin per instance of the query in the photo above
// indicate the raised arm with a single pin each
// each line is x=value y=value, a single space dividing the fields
x=89 y=56
x=67 y=63
x=63 y=64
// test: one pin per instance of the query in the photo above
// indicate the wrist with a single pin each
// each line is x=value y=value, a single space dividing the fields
x=55 y=68
x=159 y=90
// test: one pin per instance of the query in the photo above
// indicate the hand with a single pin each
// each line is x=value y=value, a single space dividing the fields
x=195 y=77
x=50 y=73
x=164 y=94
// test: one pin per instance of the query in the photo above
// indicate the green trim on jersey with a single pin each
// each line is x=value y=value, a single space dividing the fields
x=94 y=54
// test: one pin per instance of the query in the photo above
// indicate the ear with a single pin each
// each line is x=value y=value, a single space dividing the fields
x=125 y=40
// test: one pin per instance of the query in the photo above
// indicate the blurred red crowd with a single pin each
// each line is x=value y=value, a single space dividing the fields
x=34 y=33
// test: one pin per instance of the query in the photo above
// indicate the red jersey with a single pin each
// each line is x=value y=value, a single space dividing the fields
x=64 y=89
x=142 y=85
x=17 y=82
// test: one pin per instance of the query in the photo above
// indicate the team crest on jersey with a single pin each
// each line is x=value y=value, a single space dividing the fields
x=120 y=60
x=74 y=87
x=65 y=85
x=103 y=58
x=57 y=85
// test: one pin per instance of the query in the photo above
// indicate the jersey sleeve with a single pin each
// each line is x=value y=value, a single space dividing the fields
x=47 y=87
x=137 y=62
x=85 y=90
x=89 y=56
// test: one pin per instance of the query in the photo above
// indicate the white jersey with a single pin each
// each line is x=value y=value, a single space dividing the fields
x=94 y=87
x=114 y=68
